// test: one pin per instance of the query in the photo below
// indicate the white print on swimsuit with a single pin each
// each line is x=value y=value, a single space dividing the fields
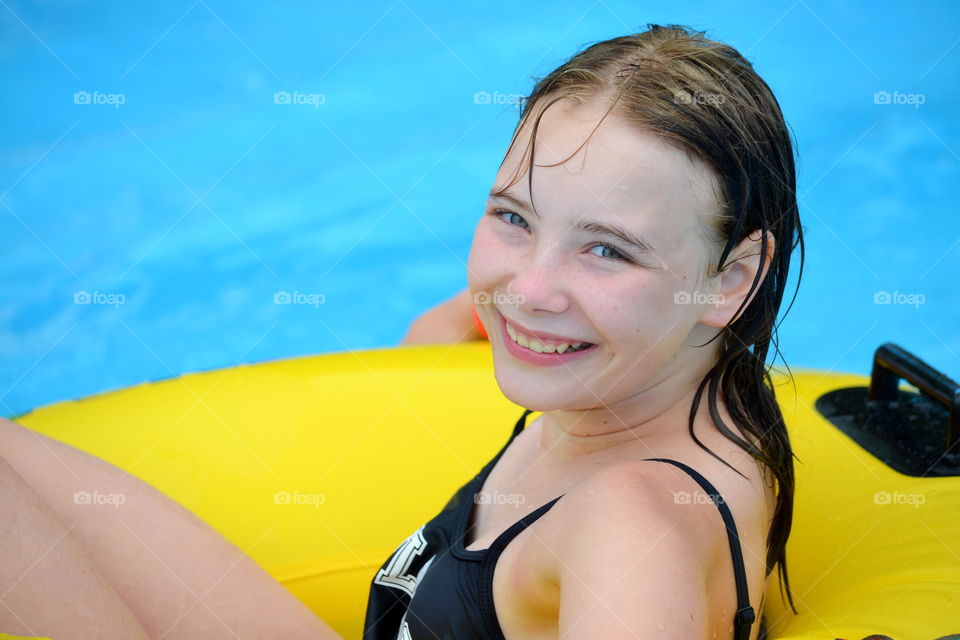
x=397 y=573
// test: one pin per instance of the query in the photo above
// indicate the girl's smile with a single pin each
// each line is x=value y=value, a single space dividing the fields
x=546 y=351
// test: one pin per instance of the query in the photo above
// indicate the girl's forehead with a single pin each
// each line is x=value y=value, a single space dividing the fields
x=610 y=165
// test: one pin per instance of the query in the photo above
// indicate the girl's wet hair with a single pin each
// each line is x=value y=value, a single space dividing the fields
x=704 y=98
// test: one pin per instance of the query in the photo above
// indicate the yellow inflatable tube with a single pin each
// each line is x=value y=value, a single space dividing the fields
x=320 y=466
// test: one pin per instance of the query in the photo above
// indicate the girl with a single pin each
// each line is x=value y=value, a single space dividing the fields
x=643 y=269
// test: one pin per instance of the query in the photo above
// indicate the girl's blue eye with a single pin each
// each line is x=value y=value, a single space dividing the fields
x=501 y=214
x=610 y=248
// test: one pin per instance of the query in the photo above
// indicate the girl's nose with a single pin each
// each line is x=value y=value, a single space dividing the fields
x=538 y=287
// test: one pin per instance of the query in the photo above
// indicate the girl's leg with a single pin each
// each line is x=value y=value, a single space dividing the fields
x=180 y=578
x=49 y=586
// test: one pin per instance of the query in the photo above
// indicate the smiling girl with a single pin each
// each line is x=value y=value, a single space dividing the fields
x=628 y=270
x=630 y=264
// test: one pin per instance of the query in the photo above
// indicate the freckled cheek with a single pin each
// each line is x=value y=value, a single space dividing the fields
x=487 y=260
x=637 y=310
x=612 y=309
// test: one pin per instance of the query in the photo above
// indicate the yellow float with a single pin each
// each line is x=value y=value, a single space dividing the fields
x=322 y=465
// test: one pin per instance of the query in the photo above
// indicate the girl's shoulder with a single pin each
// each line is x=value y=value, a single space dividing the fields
x=636 y=506
x=646 y=476
x=610 y=513
x=652 y=488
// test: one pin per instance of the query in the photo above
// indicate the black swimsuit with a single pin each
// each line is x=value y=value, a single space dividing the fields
x=432 y=587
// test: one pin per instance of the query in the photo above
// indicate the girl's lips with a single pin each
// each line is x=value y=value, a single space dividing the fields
x=540 y=359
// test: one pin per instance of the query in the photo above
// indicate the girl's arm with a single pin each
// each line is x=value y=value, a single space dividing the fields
x=634 y=563
x=451 y=321
x=49 y=584
x=173 y=572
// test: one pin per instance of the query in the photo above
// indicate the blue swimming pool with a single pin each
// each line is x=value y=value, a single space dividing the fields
x=171 y=173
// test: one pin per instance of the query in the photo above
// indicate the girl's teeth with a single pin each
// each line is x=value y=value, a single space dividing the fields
x=536 y=345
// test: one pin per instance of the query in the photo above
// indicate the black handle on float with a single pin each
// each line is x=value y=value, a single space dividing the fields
x=891 y=363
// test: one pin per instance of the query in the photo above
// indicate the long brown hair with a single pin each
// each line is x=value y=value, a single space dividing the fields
x=705 y=99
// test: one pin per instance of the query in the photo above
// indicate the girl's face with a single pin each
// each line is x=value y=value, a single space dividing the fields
x=557 y=274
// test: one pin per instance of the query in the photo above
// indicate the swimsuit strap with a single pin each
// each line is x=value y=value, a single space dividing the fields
x=521 y=423
x=517 y=428
x=745 y=615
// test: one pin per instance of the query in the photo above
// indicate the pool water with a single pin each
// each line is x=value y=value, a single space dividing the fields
x=191 y=185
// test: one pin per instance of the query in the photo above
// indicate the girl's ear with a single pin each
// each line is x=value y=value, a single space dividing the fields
x=735 y=281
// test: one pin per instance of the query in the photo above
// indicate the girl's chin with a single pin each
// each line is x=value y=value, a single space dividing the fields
x=524 y=390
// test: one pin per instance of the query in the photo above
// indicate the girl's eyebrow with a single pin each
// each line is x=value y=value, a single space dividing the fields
x=595 y=227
